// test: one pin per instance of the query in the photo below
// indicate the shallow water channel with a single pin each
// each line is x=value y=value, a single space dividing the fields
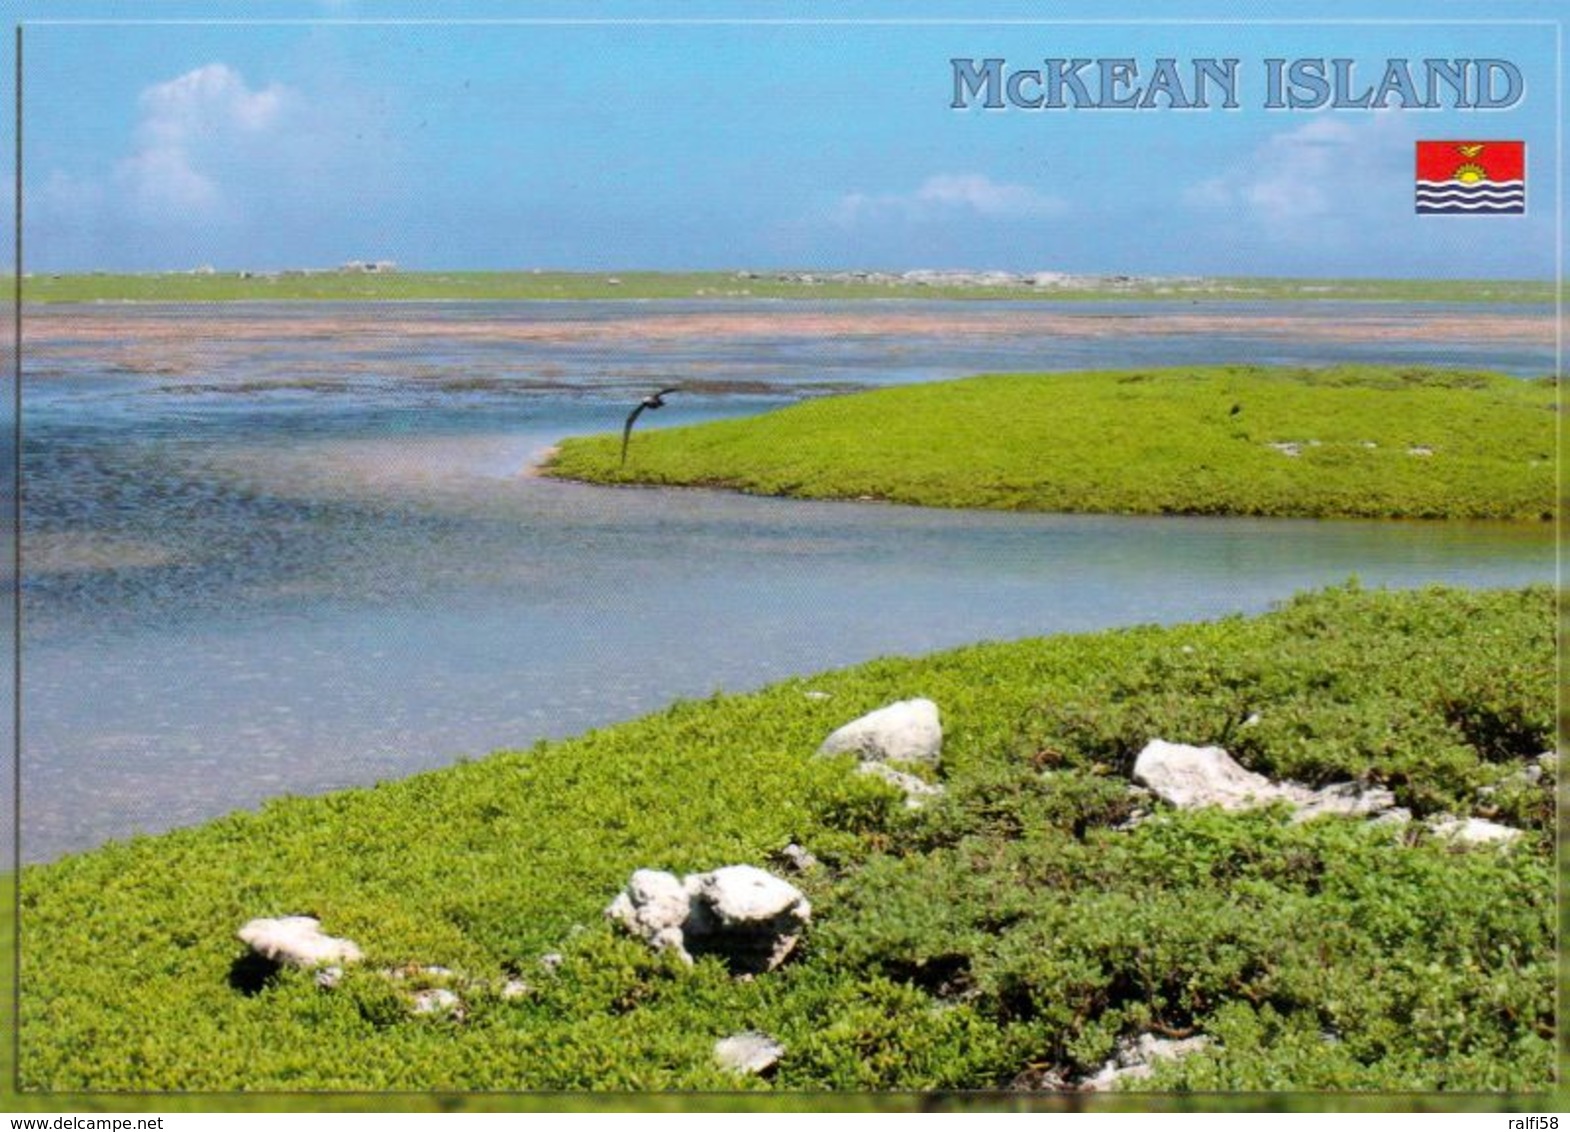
x=287 y=548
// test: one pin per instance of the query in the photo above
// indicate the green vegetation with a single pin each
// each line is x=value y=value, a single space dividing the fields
x=1005 y=933
x=230 y=286
x=1369 y=441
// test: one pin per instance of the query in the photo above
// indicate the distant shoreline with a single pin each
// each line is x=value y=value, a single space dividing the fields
x=544 y=286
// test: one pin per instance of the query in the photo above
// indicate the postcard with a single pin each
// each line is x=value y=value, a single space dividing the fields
x=781 y=551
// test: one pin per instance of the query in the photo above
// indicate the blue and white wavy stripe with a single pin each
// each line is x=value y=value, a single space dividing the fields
x=1474 y=197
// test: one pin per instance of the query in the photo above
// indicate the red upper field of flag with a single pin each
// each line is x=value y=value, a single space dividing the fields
x=1471 y=161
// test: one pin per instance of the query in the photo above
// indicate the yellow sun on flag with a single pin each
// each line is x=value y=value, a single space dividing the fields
x=1470 y=173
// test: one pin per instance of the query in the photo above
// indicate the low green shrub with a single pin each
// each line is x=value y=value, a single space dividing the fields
x=1011 y=932
x=1354 y=440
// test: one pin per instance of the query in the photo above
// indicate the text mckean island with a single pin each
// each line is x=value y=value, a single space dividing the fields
x=1205 y=83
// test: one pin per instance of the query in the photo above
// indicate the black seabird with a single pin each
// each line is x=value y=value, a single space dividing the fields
x=652 y=401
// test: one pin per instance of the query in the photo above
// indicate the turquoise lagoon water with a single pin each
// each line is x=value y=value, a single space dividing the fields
x=309 y=555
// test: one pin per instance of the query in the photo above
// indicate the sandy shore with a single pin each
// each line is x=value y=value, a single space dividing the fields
x=309 y=348
x=89 y=330
x=535 y=468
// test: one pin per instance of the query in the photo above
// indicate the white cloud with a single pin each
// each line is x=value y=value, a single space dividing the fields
x=162 y=180
x=950 y=195
x=216 y=169
x=188 y=127
x=1298 y=183
x=987 y=197
x=209 y=101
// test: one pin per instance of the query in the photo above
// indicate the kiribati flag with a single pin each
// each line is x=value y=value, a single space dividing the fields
x=1471 y=178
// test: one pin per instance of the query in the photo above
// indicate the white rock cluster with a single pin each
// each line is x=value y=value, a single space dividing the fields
x=1191 y=777
x=1473 y=831
x=1533 y=772
x=908 y=731
x=1136 y=1058
x=916 y=790
x=749 y=917
x=1346 y=799
x=797 y=859
x=750 y=1052
x=438 y=1002
x=297 y=941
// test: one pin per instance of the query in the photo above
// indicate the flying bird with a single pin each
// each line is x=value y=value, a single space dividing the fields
x=1236 y=409
x=652 y=401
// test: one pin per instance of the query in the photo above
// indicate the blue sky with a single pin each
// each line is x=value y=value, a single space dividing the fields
x=514 y=145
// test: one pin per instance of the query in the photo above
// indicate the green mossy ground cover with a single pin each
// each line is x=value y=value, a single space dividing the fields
x=1363 y=441
x=1006 y=933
